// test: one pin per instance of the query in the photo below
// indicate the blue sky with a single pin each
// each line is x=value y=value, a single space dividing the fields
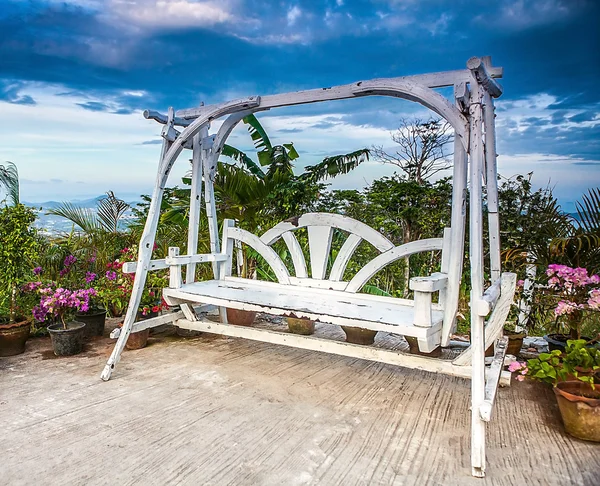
x=75 y=76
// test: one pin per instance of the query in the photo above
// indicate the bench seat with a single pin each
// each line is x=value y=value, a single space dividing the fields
x=378 y=313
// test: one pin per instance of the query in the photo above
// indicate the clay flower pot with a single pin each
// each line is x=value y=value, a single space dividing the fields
x=358 y=335
x=579 y=406
x=13 y=337
x=515 y=342
x=413 y=348
x=138 y=340
x=240 y=317
x=302 y=326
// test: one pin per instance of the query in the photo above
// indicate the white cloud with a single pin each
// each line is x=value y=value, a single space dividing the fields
x=56 y=139
x=172 y=13
x=523 y=14
x=293 y=14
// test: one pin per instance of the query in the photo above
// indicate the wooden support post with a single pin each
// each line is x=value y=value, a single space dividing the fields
x=195 y=203
x=174 y=270
x=458 y=217
x=144 y=257
x=492 y=184
x=476 y=262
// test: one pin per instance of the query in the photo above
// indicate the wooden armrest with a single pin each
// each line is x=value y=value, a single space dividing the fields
x=199 y=258
x=433 y=283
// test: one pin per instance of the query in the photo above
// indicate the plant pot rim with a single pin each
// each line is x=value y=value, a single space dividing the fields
x=8 y=325
x=514 y=334
x=58 y=327
x=95 y=312
x=569 y=390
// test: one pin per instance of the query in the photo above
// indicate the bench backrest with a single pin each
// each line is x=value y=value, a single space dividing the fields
x=320 y=228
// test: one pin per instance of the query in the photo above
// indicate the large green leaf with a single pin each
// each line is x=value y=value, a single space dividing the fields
x=257 y=133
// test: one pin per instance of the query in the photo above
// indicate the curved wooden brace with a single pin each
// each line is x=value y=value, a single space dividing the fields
x=420 y=94
x=225 y=130
x=335 y=221
x=343 y=257
x=375 y=265
x=265 y=251
x=296 y=253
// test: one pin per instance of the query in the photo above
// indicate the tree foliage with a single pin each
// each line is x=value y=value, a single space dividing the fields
x=18 y=249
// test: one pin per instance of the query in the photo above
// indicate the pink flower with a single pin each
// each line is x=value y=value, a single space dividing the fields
x=594 y=300
x=515 y=366
x=520 y=283
x=520 y=377
x=565 y=307
x=111 y=275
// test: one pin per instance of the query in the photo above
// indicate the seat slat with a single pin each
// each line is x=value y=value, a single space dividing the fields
x=336 y=307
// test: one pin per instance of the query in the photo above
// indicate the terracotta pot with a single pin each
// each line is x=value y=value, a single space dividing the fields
x=579 y=406
x=303 y=326
x=94 y=322
x=515 y=342
x=240 y=317
x=358 y=335
x=138 y=340
x=13 y=337
x=67 y=341
x=413 y=347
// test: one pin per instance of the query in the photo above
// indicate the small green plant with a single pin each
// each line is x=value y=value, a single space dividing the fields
x=578 y=362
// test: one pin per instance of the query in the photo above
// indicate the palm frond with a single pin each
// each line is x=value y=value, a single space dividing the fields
x=9 y=178
x=82 y=217
x=110 y=210
x=588 y=211
x=242 y=158
x=336 y=165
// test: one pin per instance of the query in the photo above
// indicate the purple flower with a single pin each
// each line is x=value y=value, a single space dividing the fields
x=90 y=277
x=37 y=270
x=70 y=260
x=110 y=275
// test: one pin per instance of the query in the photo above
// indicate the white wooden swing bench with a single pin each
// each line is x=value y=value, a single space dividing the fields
x=324 y=296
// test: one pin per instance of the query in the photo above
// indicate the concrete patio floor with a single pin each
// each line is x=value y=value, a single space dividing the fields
x=220 y=411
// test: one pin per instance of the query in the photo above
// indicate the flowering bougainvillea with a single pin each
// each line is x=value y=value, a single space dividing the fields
x=577 y=292
x=61 y=302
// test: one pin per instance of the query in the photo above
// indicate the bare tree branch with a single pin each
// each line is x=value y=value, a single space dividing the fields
x=423 y=148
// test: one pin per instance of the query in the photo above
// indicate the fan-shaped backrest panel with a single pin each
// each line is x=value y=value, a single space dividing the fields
x=320 y=227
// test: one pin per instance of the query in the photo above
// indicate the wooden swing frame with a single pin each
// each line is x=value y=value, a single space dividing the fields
x=471 y=115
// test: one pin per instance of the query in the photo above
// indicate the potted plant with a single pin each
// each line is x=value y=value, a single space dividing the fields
x=18 y=248
x=574 y=376
x=300 y=325
x=62 y=304
x=574 y=294
x=515 y=338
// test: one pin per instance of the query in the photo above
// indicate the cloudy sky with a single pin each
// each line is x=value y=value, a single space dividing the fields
x=75 y=76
